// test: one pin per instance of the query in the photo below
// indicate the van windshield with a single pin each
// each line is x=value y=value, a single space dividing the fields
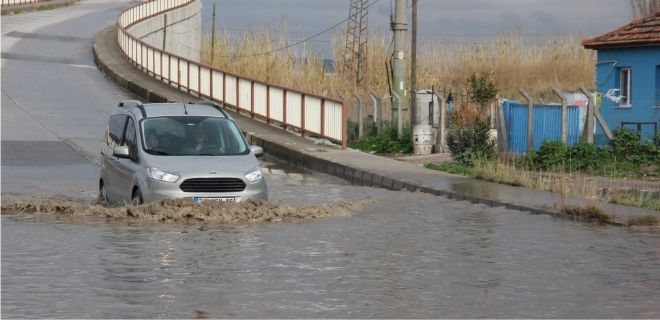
x=191 y=136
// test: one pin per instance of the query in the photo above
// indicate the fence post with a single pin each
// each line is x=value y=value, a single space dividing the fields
x=360 y=116
x=564 y=116
x=588 y=133
x=399 y=121
x=440 y=144
x=503 y=134
x=603 y=124
x=377 y=116
x=385 y=96
x=530 y=121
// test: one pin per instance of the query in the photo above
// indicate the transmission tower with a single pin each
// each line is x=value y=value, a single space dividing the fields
x=355 y=52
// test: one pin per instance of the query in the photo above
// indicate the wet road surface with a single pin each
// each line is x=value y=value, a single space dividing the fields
x=403 y=255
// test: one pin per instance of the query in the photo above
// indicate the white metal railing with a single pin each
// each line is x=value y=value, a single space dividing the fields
x=15 y=2
x=286 y=107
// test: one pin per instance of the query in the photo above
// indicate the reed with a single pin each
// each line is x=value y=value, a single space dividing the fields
x=514 y=62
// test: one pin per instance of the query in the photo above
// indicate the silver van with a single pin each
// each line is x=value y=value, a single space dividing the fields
x=177 y=150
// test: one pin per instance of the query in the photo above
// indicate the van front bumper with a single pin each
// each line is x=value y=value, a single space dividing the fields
x=158 y=190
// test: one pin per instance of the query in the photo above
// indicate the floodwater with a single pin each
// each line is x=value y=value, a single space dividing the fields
x=398 y=254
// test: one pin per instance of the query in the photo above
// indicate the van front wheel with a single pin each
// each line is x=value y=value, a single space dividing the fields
x=137 y=200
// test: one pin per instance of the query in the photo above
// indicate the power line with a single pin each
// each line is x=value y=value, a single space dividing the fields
x=298 y=42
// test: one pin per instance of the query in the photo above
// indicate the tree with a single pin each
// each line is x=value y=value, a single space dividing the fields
x=643 y=8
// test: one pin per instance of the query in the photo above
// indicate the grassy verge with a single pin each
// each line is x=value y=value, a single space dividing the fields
x=566 y=183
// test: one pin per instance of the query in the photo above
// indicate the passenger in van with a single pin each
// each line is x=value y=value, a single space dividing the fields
x=154 y=143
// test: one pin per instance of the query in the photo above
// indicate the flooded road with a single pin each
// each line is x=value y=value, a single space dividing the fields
x=400 y=255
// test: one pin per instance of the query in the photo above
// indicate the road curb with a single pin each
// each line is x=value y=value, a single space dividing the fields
x=298 y=157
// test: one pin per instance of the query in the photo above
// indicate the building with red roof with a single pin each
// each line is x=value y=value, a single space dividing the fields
x=628 y=76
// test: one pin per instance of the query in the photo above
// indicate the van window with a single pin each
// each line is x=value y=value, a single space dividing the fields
x=131 y=139
x=192 y=136
x=115 y=130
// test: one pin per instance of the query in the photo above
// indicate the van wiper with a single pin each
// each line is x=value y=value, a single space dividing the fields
x=158 y=152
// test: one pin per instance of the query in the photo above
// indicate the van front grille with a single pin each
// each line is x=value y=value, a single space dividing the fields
x=213 y=185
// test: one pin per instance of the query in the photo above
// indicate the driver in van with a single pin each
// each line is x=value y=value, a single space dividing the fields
x=203 y=146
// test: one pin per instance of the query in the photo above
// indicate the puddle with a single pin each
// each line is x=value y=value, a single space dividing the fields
x=184 y=210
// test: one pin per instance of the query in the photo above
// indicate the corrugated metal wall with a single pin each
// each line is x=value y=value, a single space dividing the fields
x=546 y=125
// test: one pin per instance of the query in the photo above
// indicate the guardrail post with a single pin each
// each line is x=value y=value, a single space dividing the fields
x=564 y=116
x=530 y=121
x=238 y=94
x=284 y=110
x=267 y=104
x=322 y=117
x=252 y=99
x=224 y=88
x=588 y=133
x=344 y=125
x=302 y=115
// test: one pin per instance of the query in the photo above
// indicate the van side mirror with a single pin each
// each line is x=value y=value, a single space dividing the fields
x=257 y=150
x=121 y=152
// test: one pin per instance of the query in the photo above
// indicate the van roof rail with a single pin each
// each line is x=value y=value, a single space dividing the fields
x=134 y=103
x=212 y=104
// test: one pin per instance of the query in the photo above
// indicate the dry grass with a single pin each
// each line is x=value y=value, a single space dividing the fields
x=587 y=213
x=514 y=63
x=570 y=184
x=644 y=221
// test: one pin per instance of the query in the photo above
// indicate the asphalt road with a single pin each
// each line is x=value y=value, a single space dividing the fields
x=55 y=102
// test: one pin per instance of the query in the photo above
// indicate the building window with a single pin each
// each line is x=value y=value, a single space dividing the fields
x=625 y=75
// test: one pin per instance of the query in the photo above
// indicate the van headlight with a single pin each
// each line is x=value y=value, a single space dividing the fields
x=254 y=175
x=160 y=175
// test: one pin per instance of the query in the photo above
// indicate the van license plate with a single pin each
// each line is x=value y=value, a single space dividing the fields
x=200 y=199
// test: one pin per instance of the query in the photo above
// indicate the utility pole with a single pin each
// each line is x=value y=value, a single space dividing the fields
x=399 y=26
x=213 y=36
x=413 y=66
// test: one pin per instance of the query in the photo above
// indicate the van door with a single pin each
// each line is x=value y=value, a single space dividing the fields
x=127 y=167
x=110 y=163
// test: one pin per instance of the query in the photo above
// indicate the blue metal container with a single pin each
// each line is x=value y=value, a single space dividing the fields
x=546 y=125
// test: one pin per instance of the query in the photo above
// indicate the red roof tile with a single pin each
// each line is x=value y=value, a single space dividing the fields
x=641 y=32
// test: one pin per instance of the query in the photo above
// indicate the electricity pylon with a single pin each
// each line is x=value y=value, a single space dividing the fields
x=355 y=52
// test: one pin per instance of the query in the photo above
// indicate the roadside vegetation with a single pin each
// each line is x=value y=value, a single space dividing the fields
x=514 y=61
x=624 y=172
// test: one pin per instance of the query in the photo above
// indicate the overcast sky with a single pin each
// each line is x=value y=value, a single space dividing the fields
x=438 y=19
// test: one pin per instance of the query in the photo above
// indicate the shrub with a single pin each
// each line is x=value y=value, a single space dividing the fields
x=583 y=155
x=551 y=155
x=386 y=142
x=471 y=142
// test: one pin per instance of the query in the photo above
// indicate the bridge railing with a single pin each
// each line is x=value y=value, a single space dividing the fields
x=17 y=2
x=289 y=108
